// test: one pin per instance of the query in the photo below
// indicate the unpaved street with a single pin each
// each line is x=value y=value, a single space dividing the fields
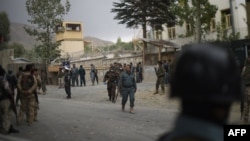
x=90 y=116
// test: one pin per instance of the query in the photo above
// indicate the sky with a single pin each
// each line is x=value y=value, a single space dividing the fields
x=94 y=14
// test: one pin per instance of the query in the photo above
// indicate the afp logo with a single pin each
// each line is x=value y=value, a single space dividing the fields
x=236 y=132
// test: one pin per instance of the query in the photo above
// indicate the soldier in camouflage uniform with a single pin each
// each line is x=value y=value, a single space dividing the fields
x=27 y=84
x=112 y=78
x=160 y=73
x=246 y=100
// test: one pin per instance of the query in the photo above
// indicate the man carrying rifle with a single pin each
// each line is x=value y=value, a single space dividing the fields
x=6 y=105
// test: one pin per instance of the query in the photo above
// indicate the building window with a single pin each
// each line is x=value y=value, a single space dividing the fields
x=212 y=25
x=73 y=27
x=189 y=29
x=171 y=32
x=226 y=18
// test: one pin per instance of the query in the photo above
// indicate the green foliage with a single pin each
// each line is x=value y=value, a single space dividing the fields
x=223 y=33
x=32 y=55
x=135 y=13
x=19 y=50
x=4 y=30
x=191 y=11
x=46 y=15
x=120 y=46
x=87 y=48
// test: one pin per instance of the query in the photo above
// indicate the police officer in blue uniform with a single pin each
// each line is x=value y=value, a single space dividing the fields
x=127 y=87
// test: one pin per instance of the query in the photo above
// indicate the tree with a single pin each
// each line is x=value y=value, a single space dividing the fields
x=197 y=13
x=223 y=31
x=46 y=14
x=4 y=30
x=19 y=50
x=136 y=13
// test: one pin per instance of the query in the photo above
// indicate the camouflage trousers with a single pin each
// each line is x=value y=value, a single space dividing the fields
x=246 y=105
x=5 y=116
x=28 y=106
x=111 y=87
x=160 y=81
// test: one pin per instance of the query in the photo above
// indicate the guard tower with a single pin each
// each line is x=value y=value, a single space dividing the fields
x=70 y=35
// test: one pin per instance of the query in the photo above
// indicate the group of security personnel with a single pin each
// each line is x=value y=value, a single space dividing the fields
x=121 y=79
x=28 y=83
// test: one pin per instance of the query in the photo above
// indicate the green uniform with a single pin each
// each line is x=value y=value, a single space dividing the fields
x=160 y=73
x=27 y=84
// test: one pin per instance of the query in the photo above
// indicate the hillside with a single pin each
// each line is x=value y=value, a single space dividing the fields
x=19 y=35
x=98 y=42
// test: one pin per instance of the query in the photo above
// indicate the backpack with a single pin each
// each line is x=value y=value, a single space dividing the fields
x=27 y=81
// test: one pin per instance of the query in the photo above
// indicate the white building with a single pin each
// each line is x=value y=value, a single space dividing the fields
x=235 y=13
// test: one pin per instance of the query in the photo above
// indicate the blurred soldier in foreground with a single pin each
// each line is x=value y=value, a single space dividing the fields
x=207 y=80
x=160 y=73
x=127 y=87
x=6 y=105
x=246 y=98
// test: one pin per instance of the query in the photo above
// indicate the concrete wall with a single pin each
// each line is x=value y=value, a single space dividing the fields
x=70 y=47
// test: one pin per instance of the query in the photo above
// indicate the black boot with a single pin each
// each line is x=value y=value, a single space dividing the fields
x=13 y=130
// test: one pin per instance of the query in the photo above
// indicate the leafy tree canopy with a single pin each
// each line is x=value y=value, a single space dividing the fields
x=197 y=13
x=135 y=13
x=46 y=15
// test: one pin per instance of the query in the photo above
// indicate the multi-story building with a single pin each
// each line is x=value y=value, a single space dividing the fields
x=235 y=21
x=70 y=35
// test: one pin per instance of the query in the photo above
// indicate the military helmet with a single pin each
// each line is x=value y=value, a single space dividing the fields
x=206 y=72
